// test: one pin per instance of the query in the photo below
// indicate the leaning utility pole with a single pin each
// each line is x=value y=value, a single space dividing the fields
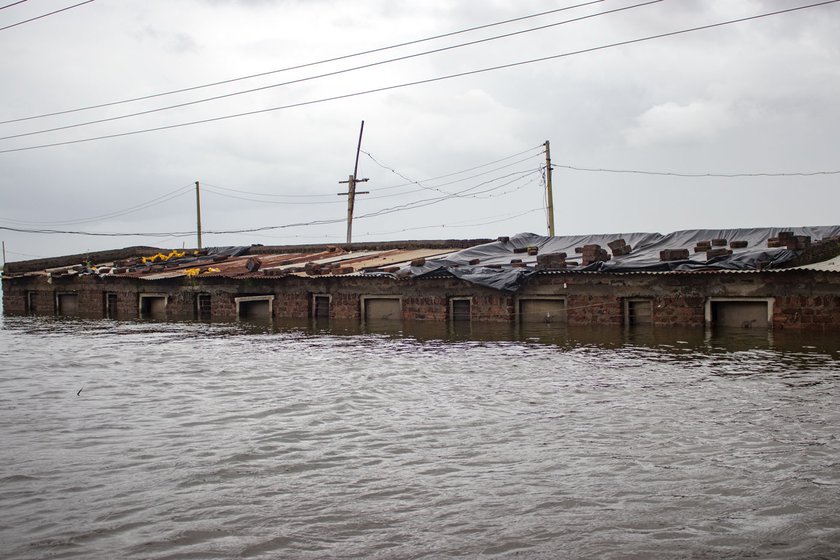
x=549 y=194
x=351 y=188
x=198 y=213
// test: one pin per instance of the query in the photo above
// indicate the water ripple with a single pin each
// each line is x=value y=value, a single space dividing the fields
x=167 y=440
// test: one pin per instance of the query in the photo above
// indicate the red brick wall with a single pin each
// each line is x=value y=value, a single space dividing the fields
x=802 y=299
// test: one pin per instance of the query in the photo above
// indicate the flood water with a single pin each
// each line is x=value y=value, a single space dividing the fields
x=181 y=440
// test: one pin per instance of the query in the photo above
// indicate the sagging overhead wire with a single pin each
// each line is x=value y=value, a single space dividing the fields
x=324 y=75
x=206 y=188
x=461 y=194
x=517 y=176
x=422 y=82
x=304 y=65
x=43 y=15
x=454 y=225
x=699 y=175
x=189 y=189
x=473 y=193
x=12 y=4
x=272 y=195
x=217 y=188
x=436 y=188
x=468 y=170
x=115 y=214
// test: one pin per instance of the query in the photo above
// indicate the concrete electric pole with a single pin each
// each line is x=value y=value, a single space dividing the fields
x=549 y=194
x=198 y=213
x=351 y=188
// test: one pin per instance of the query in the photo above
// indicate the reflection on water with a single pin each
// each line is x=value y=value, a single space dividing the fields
x=718 y=339
x=300 y=439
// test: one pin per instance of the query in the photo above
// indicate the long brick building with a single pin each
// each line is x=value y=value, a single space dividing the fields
x=781 y=280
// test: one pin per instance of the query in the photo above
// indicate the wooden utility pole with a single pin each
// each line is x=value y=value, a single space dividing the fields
x=198 y=213
x=351 y=188
x=549 y=194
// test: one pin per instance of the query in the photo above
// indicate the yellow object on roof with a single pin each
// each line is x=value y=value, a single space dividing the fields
x=160 y=257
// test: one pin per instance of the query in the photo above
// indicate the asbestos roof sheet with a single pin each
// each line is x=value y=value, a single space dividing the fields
x=831 y=265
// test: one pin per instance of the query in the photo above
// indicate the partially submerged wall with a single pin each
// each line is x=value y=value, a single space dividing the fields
x=798 y=299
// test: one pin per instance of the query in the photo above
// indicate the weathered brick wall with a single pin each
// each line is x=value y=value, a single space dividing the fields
x=492 y=307
x=127 y=304
x=14 y=298
x=181 y=304
x=594 y=310
x=820 y=250
x=807 y=301
x=801 y=299
x=425 y=308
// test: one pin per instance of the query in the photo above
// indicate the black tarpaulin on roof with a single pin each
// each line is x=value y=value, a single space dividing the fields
x=644 y=257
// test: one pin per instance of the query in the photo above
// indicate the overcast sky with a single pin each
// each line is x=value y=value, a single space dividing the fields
x=756 y=97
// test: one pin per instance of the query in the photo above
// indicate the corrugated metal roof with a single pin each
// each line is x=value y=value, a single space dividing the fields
x=356 y=263
x=235 y=267
x=831 y=265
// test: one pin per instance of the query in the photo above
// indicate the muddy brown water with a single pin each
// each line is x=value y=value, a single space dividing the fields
x=183 y=440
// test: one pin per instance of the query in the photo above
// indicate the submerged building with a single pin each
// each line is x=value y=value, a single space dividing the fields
x=783 y=278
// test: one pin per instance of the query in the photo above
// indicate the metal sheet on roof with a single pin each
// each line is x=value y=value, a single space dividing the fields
x=235 y=267
x=831 y=265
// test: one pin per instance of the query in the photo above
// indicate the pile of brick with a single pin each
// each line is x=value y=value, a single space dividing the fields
x=619 y=247
x=714 y=248
x=718 y=247
x=274 y=272
x=551 y=260
x=703 y=246
x=717 y=252
x=789 y=240
x=592 y=253
x=532 y=250
x=673 y=255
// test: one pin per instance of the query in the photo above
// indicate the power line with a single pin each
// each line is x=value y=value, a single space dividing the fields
x=9 y=6
x=117 y=213
x=385 y=211
x=699 y=175
x=436 y=188
x=421 y=82
x=305 y=65
x=460 y=194
x=453 y=225
x=397 y=173
x=209 y=189
x=402 y=185
x=319 y=76
x=446 y=176
x=268 y=194
x=25 y=254
x=189 y=188
x=44 y=15
x=447 y=195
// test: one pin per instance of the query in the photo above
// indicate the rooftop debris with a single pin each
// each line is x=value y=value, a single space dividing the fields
x=501 y=264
